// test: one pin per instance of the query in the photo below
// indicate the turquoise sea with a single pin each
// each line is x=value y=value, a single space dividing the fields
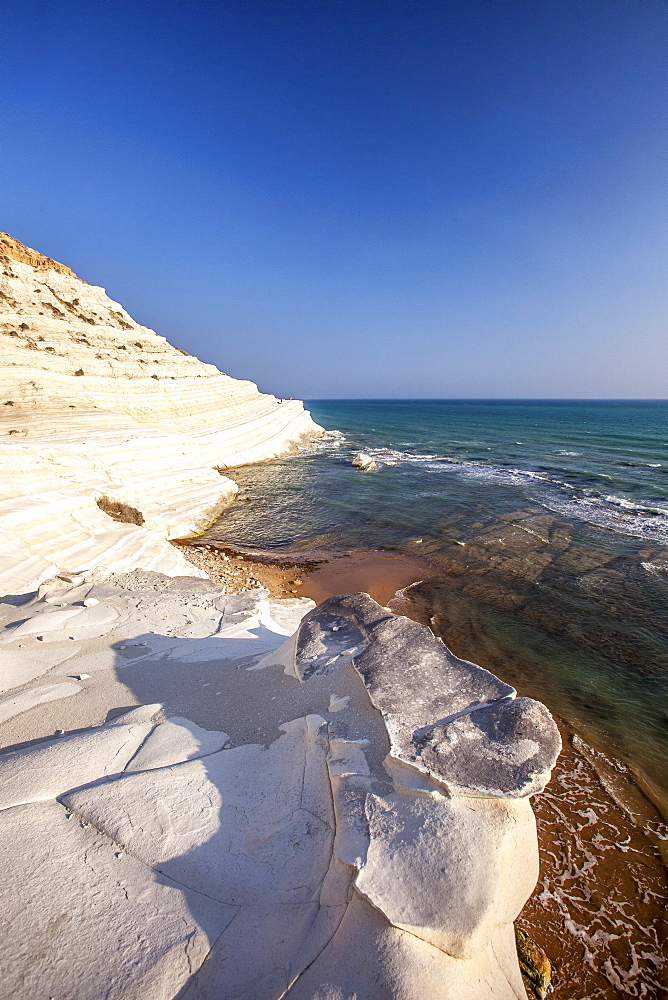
x=546 y=527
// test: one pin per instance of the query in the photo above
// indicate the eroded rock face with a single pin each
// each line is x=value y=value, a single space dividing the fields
x=95 y=406
x=446 y=717
x=339 y=811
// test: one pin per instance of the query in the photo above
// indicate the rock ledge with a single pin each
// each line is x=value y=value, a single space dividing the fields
x=287 y=815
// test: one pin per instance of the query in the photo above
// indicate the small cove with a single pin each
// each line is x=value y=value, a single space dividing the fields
x=501 y=519
x=534 y=572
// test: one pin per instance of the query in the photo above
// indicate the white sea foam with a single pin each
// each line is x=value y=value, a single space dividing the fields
x=604 y=515
x=330 y=439
x=392 y=456
x=584 y=837
x=638 y=507
x=602 y=510
x=605 y=511
x=655 y=567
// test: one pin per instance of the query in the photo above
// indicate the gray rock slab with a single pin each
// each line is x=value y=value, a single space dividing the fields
x=287 y=614
x=139 y=645
x=370 y=959
x=360 y=607
x=15 y=704
x=48 y=769
x=237 y=607
x=266 y=948
x=321 y=640
x=37 y=622
x=506 y=749
x=247 y=825
x=253 y=957
x=59 y=624
x=81 y=923
x=414 y=679
x=19 y=666
x=89 y=662
x=174 y=741
x=140 y=713
x=446 y=717
x=254 y=641
x=204 y=625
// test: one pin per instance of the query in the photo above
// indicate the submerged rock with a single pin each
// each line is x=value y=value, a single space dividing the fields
x=534 y=963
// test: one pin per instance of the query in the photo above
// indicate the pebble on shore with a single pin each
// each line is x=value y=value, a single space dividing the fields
x=239 y=574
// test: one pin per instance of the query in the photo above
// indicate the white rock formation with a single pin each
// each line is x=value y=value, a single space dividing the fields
x=329 y=843
x=363 y=462
x=94 y=405
x=205 y=796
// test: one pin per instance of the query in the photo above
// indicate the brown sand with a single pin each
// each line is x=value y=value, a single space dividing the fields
x=599 y=909
x=239 y=571
x=379 y=574
x=317 y=575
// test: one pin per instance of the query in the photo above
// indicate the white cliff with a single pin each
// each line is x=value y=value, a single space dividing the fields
x=94 y=405
x=339 y=812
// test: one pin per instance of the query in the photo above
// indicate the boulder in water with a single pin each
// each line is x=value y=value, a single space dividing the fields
x=363 y=462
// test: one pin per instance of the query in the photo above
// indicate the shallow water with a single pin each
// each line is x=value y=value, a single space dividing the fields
x=547 y=528
x=599 y=909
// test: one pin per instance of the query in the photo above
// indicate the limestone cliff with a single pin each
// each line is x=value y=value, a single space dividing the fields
x=93 y=405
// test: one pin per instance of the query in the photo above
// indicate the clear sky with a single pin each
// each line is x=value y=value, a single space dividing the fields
x=344 y=198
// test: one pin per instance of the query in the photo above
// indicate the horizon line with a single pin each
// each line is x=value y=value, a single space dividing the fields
x=486 y=399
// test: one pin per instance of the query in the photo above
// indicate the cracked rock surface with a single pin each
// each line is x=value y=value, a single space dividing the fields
x=247 y=798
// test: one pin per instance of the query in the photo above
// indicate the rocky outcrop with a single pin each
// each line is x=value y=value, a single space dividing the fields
x=363 y=462
x=13 y=250
x=93 y=405
x=281 y=817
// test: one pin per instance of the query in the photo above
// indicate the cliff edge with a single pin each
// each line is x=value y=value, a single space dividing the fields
x=111 y=439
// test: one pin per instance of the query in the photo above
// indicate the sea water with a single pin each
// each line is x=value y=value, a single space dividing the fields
x=546 y=528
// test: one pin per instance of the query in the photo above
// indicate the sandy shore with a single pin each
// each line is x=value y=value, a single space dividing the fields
x=317 y=575
x=599 y=909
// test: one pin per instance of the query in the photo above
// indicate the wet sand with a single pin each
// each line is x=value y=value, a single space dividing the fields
x=381 y=575
x=317 y=575
x=599 y=909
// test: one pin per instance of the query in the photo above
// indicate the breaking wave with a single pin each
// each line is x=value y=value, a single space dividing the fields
x=601 y=509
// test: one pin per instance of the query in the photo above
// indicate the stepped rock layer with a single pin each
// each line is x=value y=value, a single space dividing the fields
x=94 y=405
x=276 y=819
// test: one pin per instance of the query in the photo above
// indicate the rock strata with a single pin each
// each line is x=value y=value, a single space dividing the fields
x=266 y=822
x=94 y=406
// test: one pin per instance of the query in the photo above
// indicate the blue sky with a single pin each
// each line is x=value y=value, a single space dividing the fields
x=337 y=198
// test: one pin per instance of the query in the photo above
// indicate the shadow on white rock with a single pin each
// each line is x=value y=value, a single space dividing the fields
x=362 y=826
